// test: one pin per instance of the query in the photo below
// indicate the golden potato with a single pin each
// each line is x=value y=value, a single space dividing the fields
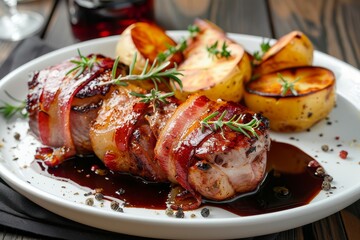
x=213 y=76
x=292 y=50
x=311 y=100
x=147 y=41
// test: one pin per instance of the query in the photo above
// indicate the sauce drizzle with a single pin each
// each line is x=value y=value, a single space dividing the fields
x=290 y=183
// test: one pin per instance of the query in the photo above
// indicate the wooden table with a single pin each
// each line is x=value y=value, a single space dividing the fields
x=332 y=25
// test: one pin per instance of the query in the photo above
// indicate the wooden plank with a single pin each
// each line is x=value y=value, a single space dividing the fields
x=332 y=25
x=330 y=228
x=238 y=16
x=296 y=233
x=351 y=220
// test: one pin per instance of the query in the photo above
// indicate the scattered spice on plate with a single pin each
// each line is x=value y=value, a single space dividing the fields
x=180 y=213
x=89 y=201
x=343 y=154
x=326 y=186
x=116 y=206
x=205 y=212
x=325 y=148
x=17 y=136
x=169 y=212
x=99 y=196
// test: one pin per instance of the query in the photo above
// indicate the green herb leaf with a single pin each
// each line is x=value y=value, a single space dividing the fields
x=82 y=64
x=161 y=57
x=155 y=97
x=180 y=47
x=264 y=47
x=8 y=110
x=214 y=51
x=156 y=73
x=234 y=124
x=193 y=30
x=286 y=85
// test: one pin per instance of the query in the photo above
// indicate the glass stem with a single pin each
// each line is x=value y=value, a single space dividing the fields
x=12 y=7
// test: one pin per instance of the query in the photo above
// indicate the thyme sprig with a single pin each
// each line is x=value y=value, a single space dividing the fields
x=180 y=47
x=9 y=110
x=214 y=51
x=286 y=85
x=82 y=64
x=155 y=97
x=264 y=47
x=157 y=73
x=234 y=124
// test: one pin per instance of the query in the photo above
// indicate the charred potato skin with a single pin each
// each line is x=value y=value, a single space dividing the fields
x=292 y=50
x=294 y=113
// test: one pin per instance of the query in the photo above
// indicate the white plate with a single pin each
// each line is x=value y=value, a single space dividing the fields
x=58 y=196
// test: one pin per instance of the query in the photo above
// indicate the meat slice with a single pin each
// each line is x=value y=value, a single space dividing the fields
x=217 y=164
x=121 y=137
x=52 y=93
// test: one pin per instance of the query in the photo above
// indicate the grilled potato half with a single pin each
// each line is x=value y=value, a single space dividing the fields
x=210 y=75
x=292 y=50
x=147 y=41
x=311 y=99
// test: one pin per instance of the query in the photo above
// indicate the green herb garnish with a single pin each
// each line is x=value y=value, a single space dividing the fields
x=286 y=85
x=155 y=97
x=161 y=57
x=264 y=47
x=180 y=47
x=233 y=123
x=214 y=51
x=9 y=110
x=82 y=64
x=156 y=73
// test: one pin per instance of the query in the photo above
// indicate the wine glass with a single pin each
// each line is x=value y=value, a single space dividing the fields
x=16 y=25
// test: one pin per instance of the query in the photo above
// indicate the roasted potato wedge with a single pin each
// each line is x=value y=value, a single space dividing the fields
x=147 y=41
x=206 y=74
x=312 y=99
x=292 y=50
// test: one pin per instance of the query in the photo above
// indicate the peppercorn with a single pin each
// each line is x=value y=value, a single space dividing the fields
x=180 y=213
x=328 y=178
x=325 y=148
x=343 y=154
x=89 y=201
x=99 y=196
x=169 y=212
x=313 y=163
x=320 y=172
x=326 y=186
x=205 y=212
x=114 y=205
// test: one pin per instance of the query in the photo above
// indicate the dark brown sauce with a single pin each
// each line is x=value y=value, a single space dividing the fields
x=289 y=183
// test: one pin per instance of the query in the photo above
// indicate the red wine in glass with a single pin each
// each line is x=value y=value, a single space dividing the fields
x=100 y=18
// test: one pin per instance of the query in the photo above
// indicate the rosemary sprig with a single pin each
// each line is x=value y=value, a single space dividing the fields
x=180 y=47
x=156 y=73
x=233 y=123
x=214 y=51
x=155 y=97
x=264 y=47
x=9 y=110
x=286 y=85
x=82 y=64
